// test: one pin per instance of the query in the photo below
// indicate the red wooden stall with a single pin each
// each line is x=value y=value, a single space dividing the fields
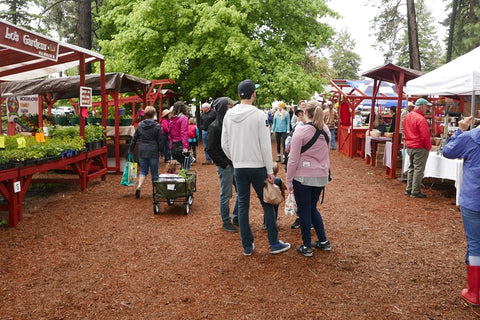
x=21 y=60
x=398 y=76
x=156 y=93
x=53 y=89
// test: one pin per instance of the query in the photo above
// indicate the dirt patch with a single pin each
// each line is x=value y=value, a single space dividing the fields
x=102 y=254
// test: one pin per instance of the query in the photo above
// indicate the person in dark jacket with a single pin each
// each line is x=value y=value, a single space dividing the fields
x=150 y=143
x=207 y=116
x=224 y=165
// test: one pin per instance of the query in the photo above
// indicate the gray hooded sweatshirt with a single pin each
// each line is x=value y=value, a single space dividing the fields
x=246 y=138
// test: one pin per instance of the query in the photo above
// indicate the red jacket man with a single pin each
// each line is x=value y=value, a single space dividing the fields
x=417 y=141
x=417 y=132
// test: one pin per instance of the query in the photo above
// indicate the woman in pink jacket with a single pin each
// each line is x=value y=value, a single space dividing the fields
x=308 y=174
x=167 y=153
x=179 y=133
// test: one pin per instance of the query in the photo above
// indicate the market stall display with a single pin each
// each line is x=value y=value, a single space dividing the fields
x=442 y=168
x=20 y=62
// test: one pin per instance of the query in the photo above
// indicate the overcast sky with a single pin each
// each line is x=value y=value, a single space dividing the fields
x=357 y=15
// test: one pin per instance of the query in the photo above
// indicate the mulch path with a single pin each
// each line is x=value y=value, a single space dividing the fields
x=102 y=254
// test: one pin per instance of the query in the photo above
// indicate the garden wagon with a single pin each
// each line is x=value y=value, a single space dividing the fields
x=172 y=188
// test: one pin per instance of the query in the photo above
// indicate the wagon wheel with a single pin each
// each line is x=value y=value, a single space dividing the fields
x=190 y=200
x=187 y=208
x=156 y=209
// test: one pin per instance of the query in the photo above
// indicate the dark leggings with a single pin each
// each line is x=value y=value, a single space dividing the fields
x=280 y=138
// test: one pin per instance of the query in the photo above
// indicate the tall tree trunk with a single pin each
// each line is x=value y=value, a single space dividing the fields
x=85 y=27
x=451 y=30
x=413 y=36
x=471 y=11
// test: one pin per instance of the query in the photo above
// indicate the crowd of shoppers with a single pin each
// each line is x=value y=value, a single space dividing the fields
x=237 y=139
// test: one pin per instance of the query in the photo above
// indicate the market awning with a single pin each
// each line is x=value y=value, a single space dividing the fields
x=68 y=87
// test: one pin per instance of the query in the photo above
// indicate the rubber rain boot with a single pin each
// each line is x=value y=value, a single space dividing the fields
x=473 y=279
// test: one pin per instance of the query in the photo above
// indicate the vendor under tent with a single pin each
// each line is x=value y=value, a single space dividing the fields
x=398 y=76
x=38 y=56
x=459 y=77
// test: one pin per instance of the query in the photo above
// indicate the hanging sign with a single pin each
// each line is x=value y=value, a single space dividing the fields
x=19 y=105
x=22 y=40
x=85 y=97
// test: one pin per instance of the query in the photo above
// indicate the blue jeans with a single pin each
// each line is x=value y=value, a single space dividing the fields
x=244 y=177
x=226 y=186
x=204 y=139
x=332 y=138
x=471 y=223
x=307 y=198
x=149 y=163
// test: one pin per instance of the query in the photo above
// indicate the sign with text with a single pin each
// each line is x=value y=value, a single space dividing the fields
x=20 y=105
x=22 y=40
x=85 y=97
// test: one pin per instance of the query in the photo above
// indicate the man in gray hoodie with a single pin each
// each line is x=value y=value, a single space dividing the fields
x=246 y=141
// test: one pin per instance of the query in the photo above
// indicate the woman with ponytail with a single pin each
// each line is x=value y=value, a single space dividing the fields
x=308 y=174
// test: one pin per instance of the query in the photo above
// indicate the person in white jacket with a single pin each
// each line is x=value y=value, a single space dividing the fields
x=246 y=141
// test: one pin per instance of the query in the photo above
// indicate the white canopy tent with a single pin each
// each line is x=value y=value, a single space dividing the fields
x=458 y=77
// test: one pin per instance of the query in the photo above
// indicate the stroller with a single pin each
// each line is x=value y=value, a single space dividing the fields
x=172 y=188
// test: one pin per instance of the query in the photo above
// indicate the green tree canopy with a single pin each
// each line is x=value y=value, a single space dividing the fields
x=344 y=61
x=464 y=27
x=18 y=12
x=208 y=47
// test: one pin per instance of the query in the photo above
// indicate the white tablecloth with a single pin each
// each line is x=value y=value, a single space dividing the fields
x=387 y=155
x=368 y=144
x=440 y=167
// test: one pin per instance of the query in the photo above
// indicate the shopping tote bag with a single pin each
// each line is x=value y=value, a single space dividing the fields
x=129 y=177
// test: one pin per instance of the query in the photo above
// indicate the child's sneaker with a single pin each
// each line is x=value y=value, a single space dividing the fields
x=322 y=246
x=248 y=251
x=279 y=247
x=306 y=251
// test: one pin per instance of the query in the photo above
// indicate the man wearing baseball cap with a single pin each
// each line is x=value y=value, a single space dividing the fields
x=417 y=141
x=246 y=141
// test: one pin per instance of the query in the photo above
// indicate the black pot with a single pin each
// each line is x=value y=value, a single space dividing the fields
x=30 y=162
x=16 y=164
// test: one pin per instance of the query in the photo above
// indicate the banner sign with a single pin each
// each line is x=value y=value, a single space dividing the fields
x=85 y=97
x=19 y=105
x=22 y=40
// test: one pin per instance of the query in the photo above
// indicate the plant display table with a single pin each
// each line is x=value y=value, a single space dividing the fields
x=14 y=182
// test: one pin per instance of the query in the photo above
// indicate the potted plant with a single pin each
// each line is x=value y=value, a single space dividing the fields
x=73 y=119
x=111 y=116
x=126 y=120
